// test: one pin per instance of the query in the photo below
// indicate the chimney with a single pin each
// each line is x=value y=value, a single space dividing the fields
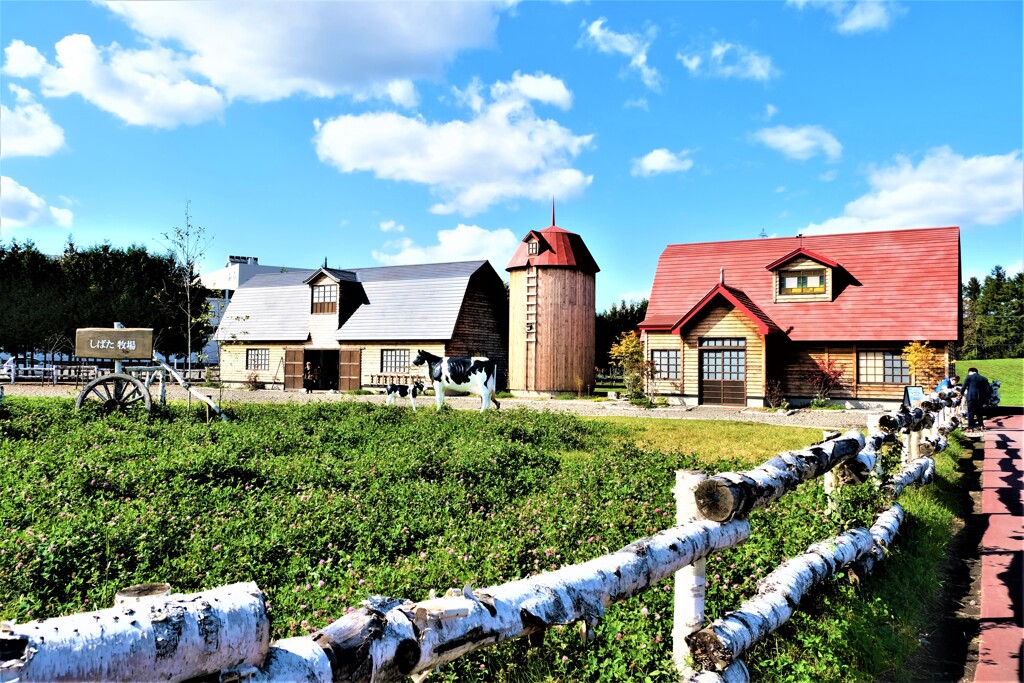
x=721 y=275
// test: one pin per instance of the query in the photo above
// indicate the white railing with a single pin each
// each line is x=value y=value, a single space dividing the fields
x=388 y=640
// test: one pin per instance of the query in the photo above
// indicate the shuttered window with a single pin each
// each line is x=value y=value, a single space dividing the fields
x=802 y=282
x=883 y=367
x=531 y=247
x=325 y=299
x=394 y=360
x=257 y=359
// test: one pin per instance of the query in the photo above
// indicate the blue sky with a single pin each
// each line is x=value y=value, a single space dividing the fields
x=374 y=134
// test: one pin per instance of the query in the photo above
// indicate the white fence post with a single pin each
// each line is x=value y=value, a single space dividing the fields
x=691 y=582
x=829 y=480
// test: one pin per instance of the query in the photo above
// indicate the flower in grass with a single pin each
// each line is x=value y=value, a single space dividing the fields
x=644 y=611
x=320 y=583
x=565 y=658
x=217 y=547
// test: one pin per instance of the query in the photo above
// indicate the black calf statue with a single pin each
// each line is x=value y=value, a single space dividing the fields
x=404 y=390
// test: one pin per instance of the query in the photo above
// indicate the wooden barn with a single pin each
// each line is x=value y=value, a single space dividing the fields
x=361 y=327
x=551 y=313
x=728 y=320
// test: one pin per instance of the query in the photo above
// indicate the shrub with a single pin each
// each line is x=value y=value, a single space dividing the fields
x=254 y=383
x=825 y=377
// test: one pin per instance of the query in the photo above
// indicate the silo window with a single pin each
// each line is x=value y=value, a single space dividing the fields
x=531 y=247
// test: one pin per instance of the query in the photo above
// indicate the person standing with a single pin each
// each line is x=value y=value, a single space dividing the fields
x=11 y=367
x=948 y=383
x=976 y=392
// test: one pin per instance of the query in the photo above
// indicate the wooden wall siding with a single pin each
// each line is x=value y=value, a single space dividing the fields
x=371 y=356
x=232 y=363
x=665 y=340
x=802 y=263
x=564 y=348
x=322 y=326
x=724 y=321
x=482 y=327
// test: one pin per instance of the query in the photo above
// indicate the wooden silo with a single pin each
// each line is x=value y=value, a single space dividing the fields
x=552 y=310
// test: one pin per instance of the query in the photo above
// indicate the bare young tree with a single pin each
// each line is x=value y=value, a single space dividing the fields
x=188 y=246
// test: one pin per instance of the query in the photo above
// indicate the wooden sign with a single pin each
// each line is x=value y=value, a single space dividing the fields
x=117 y=343
x=912 y=396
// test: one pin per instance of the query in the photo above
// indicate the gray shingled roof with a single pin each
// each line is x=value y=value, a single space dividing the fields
x=264 y=309
x=416 y=302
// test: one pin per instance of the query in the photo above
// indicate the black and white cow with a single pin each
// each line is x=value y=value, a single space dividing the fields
x=477 y=375
x=404 y=390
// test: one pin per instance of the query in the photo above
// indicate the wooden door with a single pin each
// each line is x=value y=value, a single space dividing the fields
x=293 y=368
x=723 y=371
x=349 y=369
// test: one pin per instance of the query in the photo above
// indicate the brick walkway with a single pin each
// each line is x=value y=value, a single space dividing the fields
x=1002 y=552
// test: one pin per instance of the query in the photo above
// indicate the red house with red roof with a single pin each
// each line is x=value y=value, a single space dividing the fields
x=725 y=319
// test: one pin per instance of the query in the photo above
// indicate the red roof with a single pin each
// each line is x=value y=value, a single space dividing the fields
x=892 y=285
x=557 y=248
x=824 y=260
x=738 y=299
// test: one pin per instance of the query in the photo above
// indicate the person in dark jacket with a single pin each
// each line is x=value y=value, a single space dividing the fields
x=976 y=392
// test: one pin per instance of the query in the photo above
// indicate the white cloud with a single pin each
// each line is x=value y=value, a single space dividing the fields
x=631 y=45
x=504 y=151
x=141 y=87
x=729 y=60
x=637 y=103
x=856 y=17
x=540 y=87
x=770 y=110
x=20 y=207
x=391 y=226
x=265 y=51
x=801 y=143
x=829 y=176
x=27 y=130
x=661 y=161
x=945 y=188
x=462 y=243
x=401 y=92
x=23 y=61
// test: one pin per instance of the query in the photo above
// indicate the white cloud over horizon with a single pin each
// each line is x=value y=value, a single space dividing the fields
x=20 y=207
x=504 y=151
x=27 y=130
x=631 y=45
x=660 y=161
x=461 y=243
x=942 y=189
x=729 y=60
x=801 y=143
x=860 y=16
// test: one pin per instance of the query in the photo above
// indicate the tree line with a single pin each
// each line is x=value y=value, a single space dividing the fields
x=993 y=316
x=47 y=298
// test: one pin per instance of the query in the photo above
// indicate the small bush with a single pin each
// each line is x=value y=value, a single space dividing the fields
x=254 y=383
x=825 y=404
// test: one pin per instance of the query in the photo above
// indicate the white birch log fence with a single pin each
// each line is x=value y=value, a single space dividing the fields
x=169 y=638
x=226 y=630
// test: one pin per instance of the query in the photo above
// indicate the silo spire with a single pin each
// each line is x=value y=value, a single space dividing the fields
x=552 y=209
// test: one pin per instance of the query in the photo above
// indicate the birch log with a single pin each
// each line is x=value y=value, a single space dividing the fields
x=173 y=638
x=726 y=639
x=389 y=639
x=291 y=659
x=919 y=471
x=691 y=580
x=903 y=419
x=860 y=468
x=732 y=495
x=736 y=672
x=883 y=531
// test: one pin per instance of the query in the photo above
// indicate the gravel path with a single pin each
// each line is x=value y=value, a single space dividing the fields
x=818 y=419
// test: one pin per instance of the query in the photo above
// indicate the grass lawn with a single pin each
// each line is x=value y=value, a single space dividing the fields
x=324 y=504
x=1009 y=371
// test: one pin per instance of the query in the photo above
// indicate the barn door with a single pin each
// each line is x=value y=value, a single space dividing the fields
x=723 y=371
x=349 y=369
x=293 y=368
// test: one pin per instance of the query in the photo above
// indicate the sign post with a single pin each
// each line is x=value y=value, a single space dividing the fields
x=117 y=343
x=913 y=396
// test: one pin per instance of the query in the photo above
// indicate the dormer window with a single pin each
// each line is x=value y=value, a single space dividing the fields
x=802 y=281
x=325 y=299
x=532 y=247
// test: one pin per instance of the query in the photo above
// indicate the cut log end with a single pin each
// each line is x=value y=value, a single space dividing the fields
x=707 y=650
x=717 y=500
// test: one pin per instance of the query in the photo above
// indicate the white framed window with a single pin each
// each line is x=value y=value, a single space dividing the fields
x=325 y=299
x=257 y=359
x=802 y=282
x=394 y=360
x=882 y=367
x=532 y=247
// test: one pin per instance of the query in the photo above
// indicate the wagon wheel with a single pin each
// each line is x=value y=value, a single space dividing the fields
x=116 y=392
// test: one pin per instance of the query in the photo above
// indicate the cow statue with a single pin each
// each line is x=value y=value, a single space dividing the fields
x=477 y=375
x=404 y=390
